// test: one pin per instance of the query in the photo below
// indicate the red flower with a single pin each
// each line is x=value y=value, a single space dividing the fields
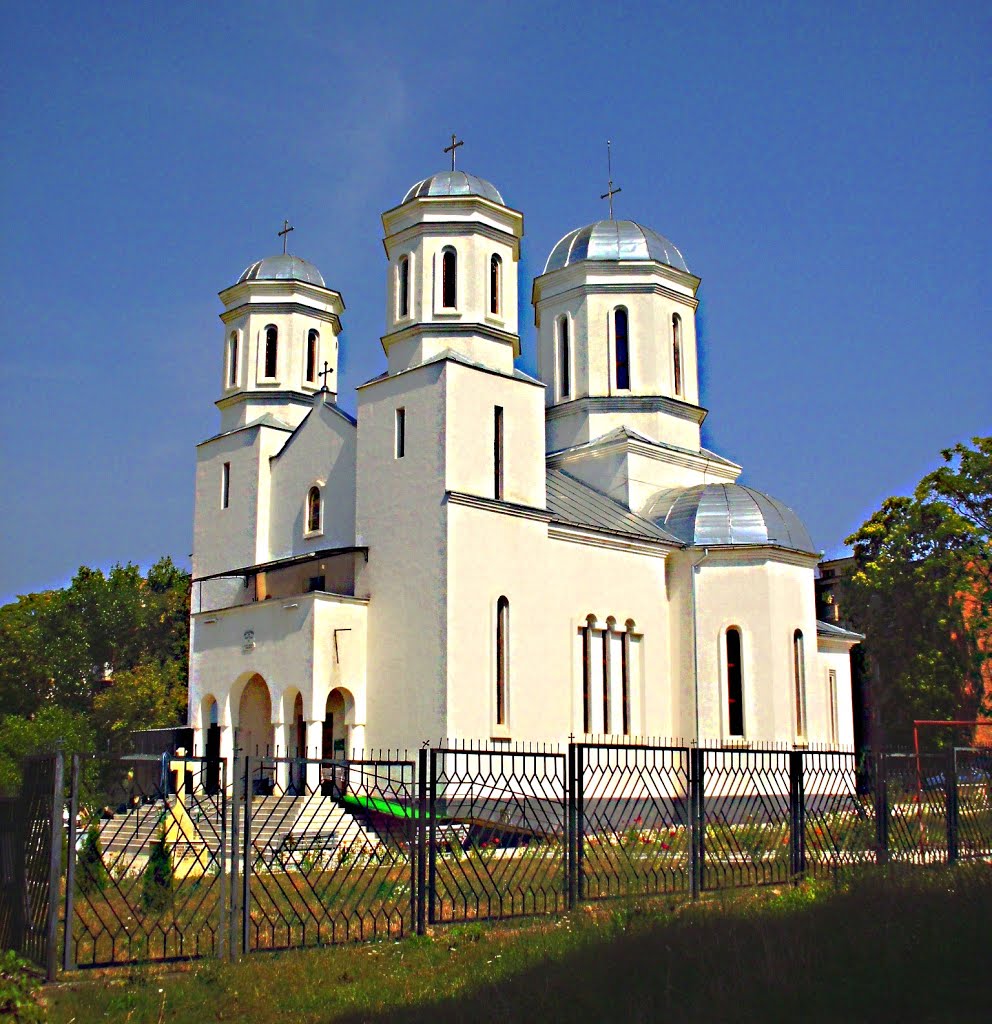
x=638 y=820
x=495 y=841
x=664 y=846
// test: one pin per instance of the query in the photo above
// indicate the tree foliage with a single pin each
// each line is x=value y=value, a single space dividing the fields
x=920 y=592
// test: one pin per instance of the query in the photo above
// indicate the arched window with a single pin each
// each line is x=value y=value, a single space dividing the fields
x=449 y=279
x=799 y=678
x=313 y=510
x=313 y=341
x=495 y=283
x=403 y=287
x=735 y=684
x=564 y=359
x=626 y=666
x=622 y=348
x=502 y=658
x=587 y=635
x=607 y=682
x=677 y=352
x=232 y=360
x=271 y=349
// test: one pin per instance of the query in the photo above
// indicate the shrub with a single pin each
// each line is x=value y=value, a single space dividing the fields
x=91 y=872
x=158 y=879
x=18 y=991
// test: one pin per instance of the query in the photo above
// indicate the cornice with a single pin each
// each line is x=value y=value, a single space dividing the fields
x=582 y=269
x=294 y=397
x=756 y=553
x=282 y=286
x=614 y=541
x=614 y=288
x=506 y=508
x=440 y=228
x=282 y=307
x=459 y=328
x=626 y=404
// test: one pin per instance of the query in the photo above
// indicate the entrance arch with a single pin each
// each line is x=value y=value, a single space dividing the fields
x=256 y=735
x=210 y=730
x=339 y=717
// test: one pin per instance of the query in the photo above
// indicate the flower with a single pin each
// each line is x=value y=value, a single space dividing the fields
x=664 y=846
x=638 y=820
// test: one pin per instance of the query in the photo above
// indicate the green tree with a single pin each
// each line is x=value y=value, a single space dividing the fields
x=91 y=872
x=148 y=696
x=42 y=733
x=158 y=879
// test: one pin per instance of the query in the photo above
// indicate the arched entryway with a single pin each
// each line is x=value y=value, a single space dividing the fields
x=210 y=725
x=256 y=736
x=339 y=716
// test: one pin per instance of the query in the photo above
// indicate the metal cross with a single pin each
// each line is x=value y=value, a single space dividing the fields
x=451 y=149
x=610 y=191
x=284 y=234
x=325 y=373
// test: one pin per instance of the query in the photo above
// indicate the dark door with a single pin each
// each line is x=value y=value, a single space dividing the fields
x=212 y=780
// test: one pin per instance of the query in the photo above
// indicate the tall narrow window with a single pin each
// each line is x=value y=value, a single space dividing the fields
x=622 y=347
x=498 y=453
x=313 y=510
x=400 y=436
x=735 y=684
x=799 y=677
x=313 y=341
x=232 y=360
x=403 y=287
x=449 y=279
x=677 y=352
x=271 y=350
x=225 y=486
x=625 y=679
x=502 y=658
x=587 y=675
x=564 y=359
x=832 y=702
x=495 y=283
x=607 y=637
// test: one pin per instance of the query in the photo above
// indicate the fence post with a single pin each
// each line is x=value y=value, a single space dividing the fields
x=222 y=923
x=951 y=777
x=697 y=846
x=55 y=868
x=797 y=816
x=235 y=851
x=431 y=895
x=580 y=823
x=68 y=960
x=881 y=811
x=570 y=825
x=246 y=865
x=420 y=855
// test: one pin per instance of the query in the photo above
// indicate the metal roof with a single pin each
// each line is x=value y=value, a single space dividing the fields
x=283 y=268
x=454 y=183
x=836 y=632
x=614 y=240
x=717 y=514
x=576 y=503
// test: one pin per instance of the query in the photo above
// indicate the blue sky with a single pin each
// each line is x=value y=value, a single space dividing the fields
x=823 y=167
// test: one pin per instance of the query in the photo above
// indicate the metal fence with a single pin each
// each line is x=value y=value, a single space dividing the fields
x=180 y=857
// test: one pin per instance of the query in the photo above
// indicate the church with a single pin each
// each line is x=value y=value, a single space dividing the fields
x=482 y=555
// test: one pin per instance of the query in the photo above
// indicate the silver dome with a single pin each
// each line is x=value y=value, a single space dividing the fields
x=283 y=268
x=454 y=183
x=712 y=514
x=614 y=240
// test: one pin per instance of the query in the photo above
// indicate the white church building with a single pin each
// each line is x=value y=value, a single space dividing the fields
x=481 y=554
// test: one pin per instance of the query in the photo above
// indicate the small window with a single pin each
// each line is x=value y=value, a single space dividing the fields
x=564 y=359
x=607 y=638
x=313 y=510
x=232 y=360
x=502 y=658
x=677 y=353
x=832 y=703
x=403 y=287
x=315 y=584
x=622 y=347
x=400 y=436
x=313 y=345
x=799 y=678
x=625 y=653
x=498 y=453
x=587 y=632
x=735 y=684
x=225 y=486
x=495 y=283
x=271 y=350
x=449 y=279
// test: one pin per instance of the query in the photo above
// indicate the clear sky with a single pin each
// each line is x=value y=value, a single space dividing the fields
x=824 y=168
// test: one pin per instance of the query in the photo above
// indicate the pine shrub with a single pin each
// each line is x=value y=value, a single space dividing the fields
x=158 y=879
x=91 y=872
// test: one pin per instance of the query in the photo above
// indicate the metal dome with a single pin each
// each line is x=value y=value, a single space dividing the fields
x=283 y=268
x=614 y=240
x=713 y=514
x=454 y=183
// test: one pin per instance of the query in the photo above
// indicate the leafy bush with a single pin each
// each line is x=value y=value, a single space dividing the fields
x=18 y=991
x=91 y=872
x=158 y=880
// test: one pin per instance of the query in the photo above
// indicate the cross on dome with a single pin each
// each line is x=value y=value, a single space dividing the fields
x=610 y=190
x=451 y=149
x=325 y=373
x=284 y=234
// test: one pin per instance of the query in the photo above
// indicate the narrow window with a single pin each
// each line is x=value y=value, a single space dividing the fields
x=587 y=675
x=498 y=453
x=625 y=679
x=225 y=486
x=832 y=698
x=403 y=287
x=622 y=348
x=449 y=279
x=502 y=658
x=564 y=359
x=677 y=352
x=495 y=282
x=232 y=360
x=799 y=677
x=400 y=450
x=735 y=684
x=607 y=637
x=313 y=510
x=271 y=350
x=315 y=583
x=313 y=341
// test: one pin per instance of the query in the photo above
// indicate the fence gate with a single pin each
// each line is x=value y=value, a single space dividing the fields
x=327 y=851
x=495 y=833
x=147 y=867
x=973 y=802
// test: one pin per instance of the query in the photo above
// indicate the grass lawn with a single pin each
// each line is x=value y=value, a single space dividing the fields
x=907 y=945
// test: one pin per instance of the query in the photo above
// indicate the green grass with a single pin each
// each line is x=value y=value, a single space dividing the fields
x=905 y=944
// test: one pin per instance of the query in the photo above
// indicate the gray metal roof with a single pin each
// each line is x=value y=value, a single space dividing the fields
x=836 y=632
x=283 y=268
x=614 y=240
x=716 y=514
x=454 y=183
x=576 y=503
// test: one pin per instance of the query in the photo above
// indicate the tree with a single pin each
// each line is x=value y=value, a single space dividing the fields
x=43 y=733
x=920 y=592
x=150 y=695
x=91 y=872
